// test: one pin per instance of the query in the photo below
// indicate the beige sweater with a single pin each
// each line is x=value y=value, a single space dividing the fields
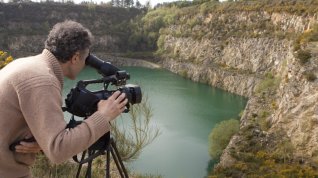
x=31 y=100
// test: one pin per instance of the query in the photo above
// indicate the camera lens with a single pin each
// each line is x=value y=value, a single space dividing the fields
x=133 y=93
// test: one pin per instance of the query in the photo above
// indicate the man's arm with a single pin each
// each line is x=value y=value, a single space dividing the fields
x=41 y=107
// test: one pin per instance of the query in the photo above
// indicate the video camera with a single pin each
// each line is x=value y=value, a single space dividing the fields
x=83 y=103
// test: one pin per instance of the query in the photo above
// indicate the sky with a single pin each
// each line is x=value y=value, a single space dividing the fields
x=143 y=2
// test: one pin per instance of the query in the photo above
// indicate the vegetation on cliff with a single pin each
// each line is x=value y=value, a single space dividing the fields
x=164 y=20
x=220 y=137
x=261 y=147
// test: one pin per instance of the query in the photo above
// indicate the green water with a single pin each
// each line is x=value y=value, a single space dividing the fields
x=185 y=112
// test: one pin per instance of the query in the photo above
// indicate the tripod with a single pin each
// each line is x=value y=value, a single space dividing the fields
x=105 y=145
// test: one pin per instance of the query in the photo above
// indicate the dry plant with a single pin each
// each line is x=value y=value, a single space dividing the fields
x=131 y=141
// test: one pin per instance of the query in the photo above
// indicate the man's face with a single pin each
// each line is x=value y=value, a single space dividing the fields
x=77 y=63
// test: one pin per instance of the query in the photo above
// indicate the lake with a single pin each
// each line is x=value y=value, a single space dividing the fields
x=185 y=113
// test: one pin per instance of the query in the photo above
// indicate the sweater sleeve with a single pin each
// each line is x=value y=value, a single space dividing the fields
x=40 y=103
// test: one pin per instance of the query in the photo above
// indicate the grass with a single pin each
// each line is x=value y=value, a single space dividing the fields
x=269 y=83
x=44 y=169
x=277 y=159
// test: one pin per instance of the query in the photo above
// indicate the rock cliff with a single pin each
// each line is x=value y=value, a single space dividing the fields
x=255 y=54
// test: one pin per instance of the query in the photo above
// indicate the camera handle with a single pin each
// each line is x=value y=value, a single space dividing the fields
x=113 y=79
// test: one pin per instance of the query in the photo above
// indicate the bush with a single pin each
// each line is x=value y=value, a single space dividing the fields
x=5 y=59
x=184 y=73
x=269 y=83
x=220 y=136
x=310 y=76
x=193 y=22
x=161 y=42
x=303 y=56
x=310 y=35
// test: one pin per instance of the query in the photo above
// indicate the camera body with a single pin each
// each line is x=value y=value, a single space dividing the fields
x=82 y=102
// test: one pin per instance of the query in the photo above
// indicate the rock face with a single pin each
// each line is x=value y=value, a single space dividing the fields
x=297 y=108
x=262 y=66
x=25 y=26
x=122 y=61
x=237 y=68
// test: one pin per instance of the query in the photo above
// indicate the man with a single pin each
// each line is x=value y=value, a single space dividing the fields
x=31 y=101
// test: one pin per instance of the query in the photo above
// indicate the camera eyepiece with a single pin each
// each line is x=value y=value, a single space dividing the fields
x=104 y=68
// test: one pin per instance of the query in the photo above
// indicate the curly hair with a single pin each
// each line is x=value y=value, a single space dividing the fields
x=66 y=38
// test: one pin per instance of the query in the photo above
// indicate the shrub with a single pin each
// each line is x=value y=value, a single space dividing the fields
x=184 y=73
x=161 y=42
x=284 y=151
x=193 y=22
x=220 y=136
x=310 y=35
x=310 y=76
x=303 y=56
x=5 y=59
x=269 y=82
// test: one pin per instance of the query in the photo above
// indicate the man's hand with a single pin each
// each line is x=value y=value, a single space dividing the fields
x=113 y=106
x=28 y=147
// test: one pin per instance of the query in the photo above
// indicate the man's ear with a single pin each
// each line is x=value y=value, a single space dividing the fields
x=75 y=58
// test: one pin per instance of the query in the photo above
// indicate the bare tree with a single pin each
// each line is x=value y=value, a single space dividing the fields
x=130 y=142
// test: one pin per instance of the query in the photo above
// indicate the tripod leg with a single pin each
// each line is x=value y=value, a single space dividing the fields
x=80 y=165
x=89 y=164
x=115 y=153
x=89 y=170
x=107 y=163
x=117 y=163
x=78 y=171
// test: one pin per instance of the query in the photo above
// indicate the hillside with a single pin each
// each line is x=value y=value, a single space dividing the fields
x=24 y=26
x=266 y=51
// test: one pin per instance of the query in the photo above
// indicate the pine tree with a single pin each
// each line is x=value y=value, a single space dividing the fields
x=138 y=5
